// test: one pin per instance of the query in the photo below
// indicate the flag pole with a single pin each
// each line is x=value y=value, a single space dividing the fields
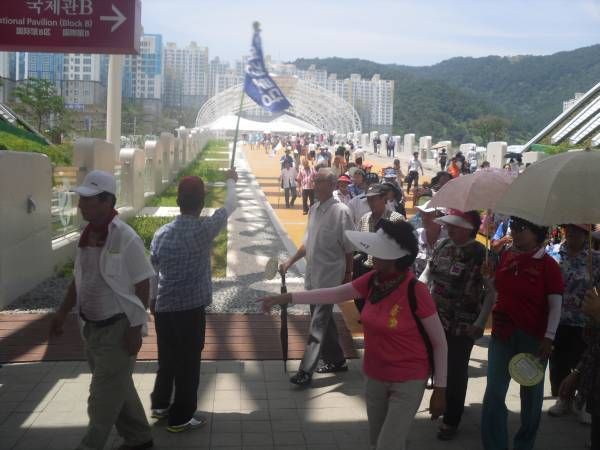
x=237 y=129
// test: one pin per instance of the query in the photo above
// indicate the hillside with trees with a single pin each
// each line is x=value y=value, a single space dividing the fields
x=463 y=98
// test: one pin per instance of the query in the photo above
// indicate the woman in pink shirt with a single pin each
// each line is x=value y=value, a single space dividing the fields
x=307 y=185
x=397 y=335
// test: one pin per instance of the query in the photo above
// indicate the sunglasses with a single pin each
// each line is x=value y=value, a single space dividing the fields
x=518 y=226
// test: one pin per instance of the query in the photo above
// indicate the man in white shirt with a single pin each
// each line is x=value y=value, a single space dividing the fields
x=110 y=291
x=287 y=180
x=325 y=248
x=414 y=165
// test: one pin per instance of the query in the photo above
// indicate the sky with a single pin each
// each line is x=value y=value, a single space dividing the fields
x=411 y=32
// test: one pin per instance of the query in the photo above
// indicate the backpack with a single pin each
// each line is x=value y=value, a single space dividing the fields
x=412 y=301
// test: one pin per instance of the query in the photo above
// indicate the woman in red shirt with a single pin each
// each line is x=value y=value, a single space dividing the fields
x=529 y=288
x=396 y=361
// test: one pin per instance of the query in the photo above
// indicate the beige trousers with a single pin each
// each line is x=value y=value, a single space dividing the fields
x=391 y=409
x=113 y=399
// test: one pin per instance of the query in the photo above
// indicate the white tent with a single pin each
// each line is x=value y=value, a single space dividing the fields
x=281 y=124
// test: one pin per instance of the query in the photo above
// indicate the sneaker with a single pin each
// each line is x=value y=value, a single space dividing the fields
x=328 y=367
x=446 y=432
x=301 y=378
x=560 y=408
x=159 y=413
x=192 y=424
x=144 y=446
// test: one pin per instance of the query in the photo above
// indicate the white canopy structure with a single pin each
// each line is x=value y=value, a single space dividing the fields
x=282 y=124
x=312 y=106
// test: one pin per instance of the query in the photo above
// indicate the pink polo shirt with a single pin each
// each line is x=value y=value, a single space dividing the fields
x=394 y=348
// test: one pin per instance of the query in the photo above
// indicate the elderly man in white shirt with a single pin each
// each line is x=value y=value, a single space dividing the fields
x=325 y=248
x=287 y=180
x=110 y=293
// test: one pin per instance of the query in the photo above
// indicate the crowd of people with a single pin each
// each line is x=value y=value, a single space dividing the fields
x=424 y=298
x=537 y=295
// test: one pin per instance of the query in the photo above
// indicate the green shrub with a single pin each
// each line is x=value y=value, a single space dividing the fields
x=146 y=227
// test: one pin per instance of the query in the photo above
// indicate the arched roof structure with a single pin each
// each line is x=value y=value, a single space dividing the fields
x=578 y=125
x=311 y=103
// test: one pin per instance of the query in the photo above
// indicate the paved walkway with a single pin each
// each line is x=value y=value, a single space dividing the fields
x=250 y=405
x=24 y=338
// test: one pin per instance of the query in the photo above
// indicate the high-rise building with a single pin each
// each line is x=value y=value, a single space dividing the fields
x=143 y=73
x=186 y=75
x=48 y=66
x=372 y=99
x=5 y=58
x=76 y=76
x=216 y=69
x=80 y=66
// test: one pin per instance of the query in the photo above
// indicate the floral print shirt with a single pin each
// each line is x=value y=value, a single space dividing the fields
x=577 y=280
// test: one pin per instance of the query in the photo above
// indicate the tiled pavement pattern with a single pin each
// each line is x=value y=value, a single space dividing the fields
x=249 y=404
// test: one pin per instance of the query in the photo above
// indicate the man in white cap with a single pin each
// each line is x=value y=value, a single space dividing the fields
x=110 y=292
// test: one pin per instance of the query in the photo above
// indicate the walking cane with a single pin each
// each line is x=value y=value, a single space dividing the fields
x=283 y=332
x=271 y=270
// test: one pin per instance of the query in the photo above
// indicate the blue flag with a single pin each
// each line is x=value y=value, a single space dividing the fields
x=258 y=85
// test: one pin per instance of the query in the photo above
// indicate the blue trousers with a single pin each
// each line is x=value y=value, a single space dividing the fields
x=494 y=430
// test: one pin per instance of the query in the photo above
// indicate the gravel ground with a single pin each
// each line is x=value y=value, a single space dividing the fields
x=229 y=296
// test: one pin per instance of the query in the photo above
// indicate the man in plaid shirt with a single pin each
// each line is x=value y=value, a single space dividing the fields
x=180 y=253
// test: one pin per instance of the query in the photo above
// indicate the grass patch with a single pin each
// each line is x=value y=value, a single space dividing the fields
x=20 y=140
x=215 y=197
x=209 y=171
x=145 y=227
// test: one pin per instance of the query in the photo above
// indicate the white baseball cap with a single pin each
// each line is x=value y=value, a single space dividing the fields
x=377 y=244
x=96 y=182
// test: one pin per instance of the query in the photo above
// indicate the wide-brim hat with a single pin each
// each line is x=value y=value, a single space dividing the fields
x=377 y=244
x=425 y=207
x=456 y=218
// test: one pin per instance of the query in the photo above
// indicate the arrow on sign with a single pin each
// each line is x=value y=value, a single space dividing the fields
x=118 y=19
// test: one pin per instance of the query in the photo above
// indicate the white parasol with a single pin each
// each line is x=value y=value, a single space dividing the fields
x=479 y=190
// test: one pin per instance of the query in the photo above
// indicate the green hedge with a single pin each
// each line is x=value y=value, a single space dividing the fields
x=146 y=227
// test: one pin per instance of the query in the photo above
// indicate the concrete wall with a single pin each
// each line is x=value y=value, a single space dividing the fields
x=25 y=229
x=167 y=141
x=28 y=252
x=93 y=154
x=533 y=157
x=425 y=147
x=496 y=152
x=409 y=144
x=364 y=140
x=154 y=154
x=132 y=176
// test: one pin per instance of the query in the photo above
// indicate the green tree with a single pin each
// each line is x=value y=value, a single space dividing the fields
x=38 y=101
x=490 y=128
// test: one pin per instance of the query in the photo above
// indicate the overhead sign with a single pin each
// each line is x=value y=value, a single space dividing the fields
x=71 y=26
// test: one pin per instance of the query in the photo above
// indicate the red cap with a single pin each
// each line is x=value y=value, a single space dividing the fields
x=191 y=186
x=344 y=179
